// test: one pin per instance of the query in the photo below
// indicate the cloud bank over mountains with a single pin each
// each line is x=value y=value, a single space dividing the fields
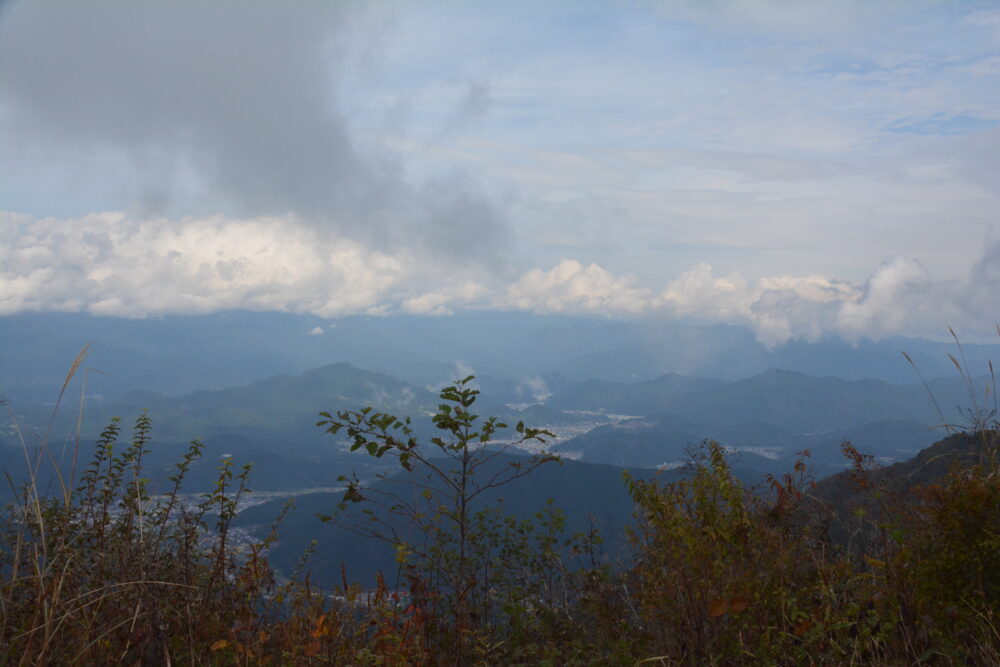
x=117 y=265
x=802 y=168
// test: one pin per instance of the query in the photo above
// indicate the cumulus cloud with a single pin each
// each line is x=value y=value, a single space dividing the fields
x=898 y=298
x=253 y=110
x=109 y=264
x=778 y=308
x=892 y=295
x=316 y=331
x=571 y=287
x=442 y=301
x=536 y=387
x=119 y=265
x=698 y=291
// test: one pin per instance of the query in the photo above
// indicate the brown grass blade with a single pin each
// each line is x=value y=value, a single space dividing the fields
x=69 y=377
x=74 y=367
x=955 y=361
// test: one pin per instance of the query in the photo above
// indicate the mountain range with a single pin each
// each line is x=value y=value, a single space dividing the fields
x=517 y=356
x=765 y=419
x=250 y=386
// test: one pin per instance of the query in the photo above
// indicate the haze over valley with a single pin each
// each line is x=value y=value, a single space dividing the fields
x=535 y=313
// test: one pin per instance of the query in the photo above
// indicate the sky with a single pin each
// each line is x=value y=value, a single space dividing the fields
x=804 y=168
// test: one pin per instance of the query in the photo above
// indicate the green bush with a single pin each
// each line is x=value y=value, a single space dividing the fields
x=723 y=574
x=106 y=574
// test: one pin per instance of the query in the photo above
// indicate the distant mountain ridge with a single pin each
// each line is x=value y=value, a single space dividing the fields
x=665 y=440
x=777 y=409
x=775 y=413
x=796 y=401
x=277 y=407
x=732 y=353
x=232 y=348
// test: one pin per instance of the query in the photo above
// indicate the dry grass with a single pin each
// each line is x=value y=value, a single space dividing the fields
x=101 y=573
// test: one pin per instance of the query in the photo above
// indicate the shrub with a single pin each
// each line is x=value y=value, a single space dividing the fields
x=488 y=585
x=107 y=574
x=949 y=565
x=726 y=575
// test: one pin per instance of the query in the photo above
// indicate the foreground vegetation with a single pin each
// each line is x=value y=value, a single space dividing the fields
x=102 y=573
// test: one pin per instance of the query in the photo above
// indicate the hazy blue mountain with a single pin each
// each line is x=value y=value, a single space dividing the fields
x=637 y=398
x=276 y=413
x=731 y=353
x=236 y=347
x=794 y=401
x=768 y=417
x=172 y=355
x=686 y=349
x=516 y=355
x=781 y=410
x=645 y=442
x=668 y=440
x=270 y=422
x=544 y=415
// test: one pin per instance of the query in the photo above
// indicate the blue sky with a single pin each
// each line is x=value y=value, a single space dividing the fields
x=804 y=168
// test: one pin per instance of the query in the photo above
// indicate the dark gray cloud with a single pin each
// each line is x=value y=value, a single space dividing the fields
x=462 y=223
x=218 y=106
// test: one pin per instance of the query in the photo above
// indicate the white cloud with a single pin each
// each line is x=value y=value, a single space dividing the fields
x=571 y=287
x=641 y=138
x=113 y=264
x=109 y=264
x=316 y=331
x=899 y=298
x=536 y=387
x=892 y=295
x=441 y=302
x=817 y=136
x=778 y=308
x=698 y=292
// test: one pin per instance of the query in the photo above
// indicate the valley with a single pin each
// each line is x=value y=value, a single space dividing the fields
x=600 y=426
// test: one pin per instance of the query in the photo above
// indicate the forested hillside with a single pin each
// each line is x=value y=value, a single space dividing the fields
x=477 y=545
